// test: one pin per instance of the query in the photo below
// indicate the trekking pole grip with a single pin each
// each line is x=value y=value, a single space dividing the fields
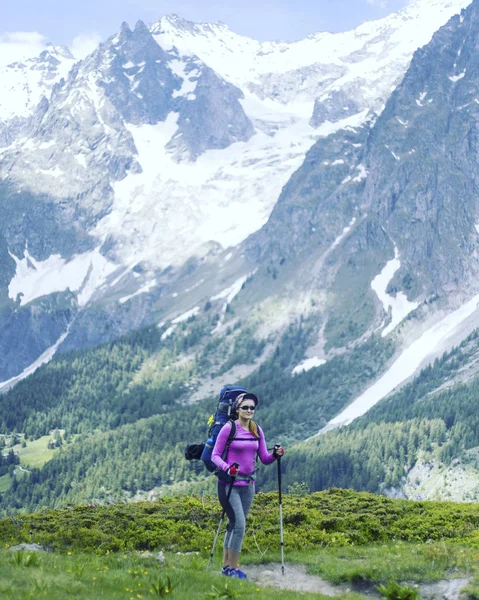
x=278 y=460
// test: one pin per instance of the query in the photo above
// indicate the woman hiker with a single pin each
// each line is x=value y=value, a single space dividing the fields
x=248 y=441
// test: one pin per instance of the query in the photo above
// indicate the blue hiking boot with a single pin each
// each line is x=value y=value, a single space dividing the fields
x=237 y=573
x=226 y=570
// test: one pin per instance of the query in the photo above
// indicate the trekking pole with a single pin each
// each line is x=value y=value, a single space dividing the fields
x=222 y=515
x=280 y=510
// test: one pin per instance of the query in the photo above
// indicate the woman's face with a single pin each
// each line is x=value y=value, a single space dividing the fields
x=245 y=411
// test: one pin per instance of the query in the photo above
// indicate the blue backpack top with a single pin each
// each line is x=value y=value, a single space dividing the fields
x=224 y=413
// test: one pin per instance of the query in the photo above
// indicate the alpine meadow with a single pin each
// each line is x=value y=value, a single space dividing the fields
x=186 y=208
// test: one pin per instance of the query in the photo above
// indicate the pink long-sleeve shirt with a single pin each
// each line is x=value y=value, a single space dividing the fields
x=241 y=451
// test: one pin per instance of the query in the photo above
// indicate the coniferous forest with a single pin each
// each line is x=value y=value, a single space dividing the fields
x=125 y=411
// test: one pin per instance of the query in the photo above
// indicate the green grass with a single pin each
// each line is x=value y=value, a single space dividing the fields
x=33 y=576
x=472 y=590
x=36 y=453
x=5 y=483
x=356 y=540
x=395 y=561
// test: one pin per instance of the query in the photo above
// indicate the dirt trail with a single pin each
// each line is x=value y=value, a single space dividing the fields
x=296 y=578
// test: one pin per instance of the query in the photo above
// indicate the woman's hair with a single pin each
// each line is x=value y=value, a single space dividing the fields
x=254 y=429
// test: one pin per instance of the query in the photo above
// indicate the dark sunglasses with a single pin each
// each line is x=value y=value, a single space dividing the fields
x=249 y=407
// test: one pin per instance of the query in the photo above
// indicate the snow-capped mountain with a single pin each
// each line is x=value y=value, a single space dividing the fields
x=172 y=141
x=24 y=83
x=358 y=67
x=138 y=136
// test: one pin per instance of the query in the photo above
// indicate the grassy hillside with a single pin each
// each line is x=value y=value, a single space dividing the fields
x=356 y=541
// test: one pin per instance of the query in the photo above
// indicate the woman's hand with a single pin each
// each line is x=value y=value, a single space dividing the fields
x=233 y=470
x=278 y=451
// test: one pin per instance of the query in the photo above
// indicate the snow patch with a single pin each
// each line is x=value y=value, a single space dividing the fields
x=185 y=316
x=399 y=305
x=230 y=292
x=84 y=273
x=189 y=80
x=395 y=155
x=168 y=332
x=421 y=98
x=80 y=158
x=307 y=364
x=455 y=78
x=406 y=365
x=344 y=233
x=56 y=172
x=362 y=173
x=143 y=290
x=41 y=360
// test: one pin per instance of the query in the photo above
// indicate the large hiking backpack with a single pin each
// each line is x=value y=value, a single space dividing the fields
x=223 y=414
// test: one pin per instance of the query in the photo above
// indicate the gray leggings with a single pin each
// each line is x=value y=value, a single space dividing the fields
x=237 y=510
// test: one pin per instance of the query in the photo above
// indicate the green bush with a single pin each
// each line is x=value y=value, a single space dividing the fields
x=334 y=518
x=394 y=591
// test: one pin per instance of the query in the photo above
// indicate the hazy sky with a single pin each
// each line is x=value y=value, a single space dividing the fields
x=63 y=20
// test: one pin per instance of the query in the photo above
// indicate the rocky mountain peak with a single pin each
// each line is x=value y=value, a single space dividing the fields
x=175 y=24
x=124 y=32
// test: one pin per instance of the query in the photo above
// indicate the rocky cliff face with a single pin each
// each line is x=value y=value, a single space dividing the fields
x=422 y=161
x=413 y=174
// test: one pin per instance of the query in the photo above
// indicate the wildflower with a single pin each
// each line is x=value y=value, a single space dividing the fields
x=69 y=553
